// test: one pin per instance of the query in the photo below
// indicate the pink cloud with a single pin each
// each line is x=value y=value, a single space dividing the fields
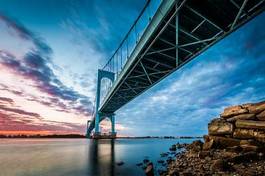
x=32 y=97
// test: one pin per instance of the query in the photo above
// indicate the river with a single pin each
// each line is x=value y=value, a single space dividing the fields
x=79 y=157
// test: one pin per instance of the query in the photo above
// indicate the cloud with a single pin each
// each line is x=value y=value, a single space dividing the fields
x=26 y=34
x=229 y=73
x=12 y=123
x=36 y=66
x=8 y=100
x=19 y=111
x=99 y=27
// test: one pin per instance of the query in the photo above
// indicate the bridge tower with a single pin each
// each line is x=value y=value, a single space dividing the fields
x=99 y=116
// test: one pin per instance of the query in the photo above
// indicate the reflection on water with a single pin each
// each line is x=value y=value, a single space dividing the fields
x=79 y=157
x=102 y=157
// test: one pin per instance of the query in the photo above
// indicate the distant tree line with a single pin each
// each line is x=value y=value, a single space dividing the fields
x=43 y=136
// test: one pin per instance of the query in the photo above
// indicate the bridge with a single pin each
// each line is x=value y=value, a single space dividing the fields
x=166 y=35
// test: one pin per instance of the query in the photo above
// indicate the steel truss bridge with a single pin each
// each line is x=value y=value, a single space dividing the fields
x=166 y=35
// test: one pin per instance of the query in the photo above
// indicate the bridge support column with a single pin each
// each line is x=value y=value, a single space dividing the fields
x=113 y=124
x=101 y=74
x=87 y=127
x=97 y=121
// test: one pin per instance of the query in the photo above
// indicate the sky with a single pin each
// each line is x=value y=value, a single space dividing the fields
x=50 y=52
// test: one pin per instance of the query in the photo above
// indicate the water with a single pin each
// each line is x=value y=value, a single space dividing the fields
x=79 y=157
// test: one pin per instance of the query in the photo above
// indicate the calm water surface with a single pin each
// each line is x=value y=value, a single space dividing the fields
x=79 y=157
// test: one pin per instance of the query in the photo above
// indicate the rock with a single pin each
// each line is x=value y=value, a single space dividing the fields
x=235 y=146
x=249 y=142
x=250 y=134
x=219 y=165
x=256 y=108
x=206 y=138
x=161 y=161
x=169 y=160
x=192 y=154
x=249 y=148
x=250 y=124
x=243 y=133
x=247 y=105
x=144 y=167
x=261 y=116
x=173 y=173
x=173 y=148
x=241 y=117
x=223 y=142
x=220 y=127
x=203 y=154
x=179 y=146
x=139 y=164
x=187 y=173
x=245 y=157
x=233 y=110
x=149 y=171
x=163 y=154
x=120 y=163
x=195 y=146
x=227 y=154
x=235 y=149
x=261 y=155
x=146 y=161
x=259 y=136
x=208 y=144
x=161 y=172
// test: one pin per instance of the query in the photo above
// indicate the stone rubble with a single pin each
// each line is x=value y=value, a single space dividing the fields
x=235 y=145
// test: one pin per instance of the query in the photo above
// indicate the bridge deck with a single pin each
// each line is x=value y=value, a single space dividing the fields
x=200 y=24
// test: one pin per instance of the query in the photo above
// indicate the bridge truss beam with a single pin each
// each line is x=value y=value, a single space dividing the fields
x=179 y=31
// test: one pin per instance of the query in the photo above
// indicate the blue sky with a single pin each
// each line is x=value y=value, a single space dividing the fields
x=63 y=43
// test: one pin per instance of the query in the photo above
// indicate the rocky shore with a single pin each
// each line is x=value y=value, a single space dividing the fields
x=235 y=145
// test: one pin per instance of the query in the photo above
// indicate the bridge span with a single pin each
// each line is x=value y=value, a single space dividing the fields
x=166 y=35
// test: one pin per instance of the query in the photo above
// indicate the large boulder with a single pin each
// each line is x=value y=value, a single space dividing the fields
x=249 y=142
x=233 y=110
x=224 y=142
x=250 y=124
x=258 y=135
x=173 y=148
x=195 y=146
x=243 y=133
x=219 y=165
x=244 y=157
x=208 y=144
x=249 y=145
x=249 y=148
x=256 y=108
x=149 y=171
x=261 y=116
x=220 y=127
x=241 y=117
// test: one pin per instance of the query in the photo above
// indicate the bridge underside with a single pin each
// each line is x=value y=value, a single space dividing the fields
x=187 y=29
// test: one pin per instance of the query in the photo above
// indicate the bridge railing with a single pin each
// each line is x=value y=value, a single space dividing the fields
x=122 y=54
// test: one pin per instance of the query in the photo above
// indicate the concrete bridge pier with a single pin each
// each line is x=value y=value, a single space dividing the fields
x=102 y=116
x=113 y=132
x=99 y=116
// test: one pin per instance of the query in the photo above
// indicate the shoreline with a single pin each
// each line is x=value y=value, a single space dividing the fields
x=234 y=145
x=83 y=136
x=194 y=160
